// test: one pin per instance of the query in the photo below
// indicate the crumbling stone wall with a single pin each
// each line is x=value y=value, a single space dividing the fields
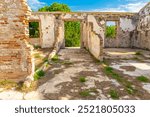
x=16 y=62
x=125 y=27
x=142 y=33
x=92 y=33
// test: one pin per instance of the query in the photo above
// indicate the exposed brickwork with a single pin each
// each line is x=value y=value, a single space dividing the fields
x=15 y=53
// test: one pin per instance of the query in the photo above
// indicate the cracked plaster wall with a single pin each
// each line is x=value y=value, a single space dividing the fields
x=142 y=33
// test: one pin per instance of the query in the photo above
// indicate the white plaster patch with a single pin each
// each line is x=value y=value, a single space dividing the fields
x=126 y=24
x=96 y=27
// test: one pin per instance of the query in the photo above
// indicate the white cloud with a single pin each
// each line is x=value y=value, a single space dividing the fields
x=130 y=7
x=35 y=4
x=133 y=7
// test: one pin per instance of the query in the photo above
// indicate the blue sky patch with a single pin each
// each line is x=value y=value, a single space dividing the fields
x=94 y=6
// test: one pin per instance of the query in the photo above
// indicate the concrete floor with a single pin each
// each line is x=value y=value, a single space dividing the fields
x=62 y=78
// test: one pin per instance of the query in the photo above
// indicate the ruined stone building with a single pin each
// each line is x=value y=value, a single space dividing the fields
x=16 y=61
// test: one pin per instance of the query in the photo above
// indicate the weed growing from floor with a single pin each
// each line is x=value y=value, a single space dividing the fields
x=66 y=63
x=55 y=58
x=7 y=84
x=109 y=71
x=114 y=94
x=38 y=74
x=45 y=60
x=142 y=79
x=129 y=88
x=138 y=53
x=85 y=93
x=82 y=79
x=37 y=55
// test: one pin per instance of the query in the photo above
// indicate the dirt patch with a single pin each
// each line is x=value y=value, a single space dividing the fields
x=128 y=68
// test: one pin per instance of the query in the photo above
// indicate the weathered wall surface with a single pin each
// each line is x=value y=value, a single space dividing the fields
x=125 y=27
x=15 y=53
x=95 y=36
x=54 y=37
x=142 y=33
x=47 y=29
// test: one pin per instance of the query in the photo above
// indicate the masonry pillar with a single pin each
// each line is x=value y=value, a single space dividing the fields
x=16 y=62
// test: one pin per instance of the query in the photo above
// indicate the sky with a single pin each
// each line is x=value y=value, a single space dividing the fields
x=94 y=5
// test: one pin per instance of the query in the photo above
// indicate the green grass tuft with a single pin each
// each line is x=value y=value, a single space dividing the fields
x=7 y=84
x=37 y=55
x=138 y=53
x=55 y=58
x=142 y=79
x=85 y=93
x=129 y=88
x=114 y=94
x=45 y=60
x=38 y=74
x=82 y=79
x=110 y=72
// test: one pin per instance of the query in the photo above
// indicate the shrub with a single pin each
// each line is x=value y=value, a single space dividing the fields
x=110 y=31
x=72 y=34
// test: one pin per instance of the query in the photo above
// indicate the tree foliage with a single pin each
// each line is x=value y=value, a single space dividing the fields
x=56 y=7
x=34 y=29
x=110 y=31
x=72 y=34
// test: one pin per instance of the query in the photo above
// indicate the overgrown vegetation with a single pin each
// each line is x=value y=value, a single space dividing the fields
x=142 y=79
x=72 y=34
x=56 y=7
x=38 y=74
x=110 y=32
x=114 y=94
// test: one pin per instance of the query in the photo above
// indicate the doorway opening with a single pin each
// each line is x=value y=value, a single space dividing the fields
x=72 y=33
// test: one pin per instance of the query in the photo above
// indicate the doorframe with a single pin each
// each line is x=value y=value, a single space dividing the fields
x=81 y=31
